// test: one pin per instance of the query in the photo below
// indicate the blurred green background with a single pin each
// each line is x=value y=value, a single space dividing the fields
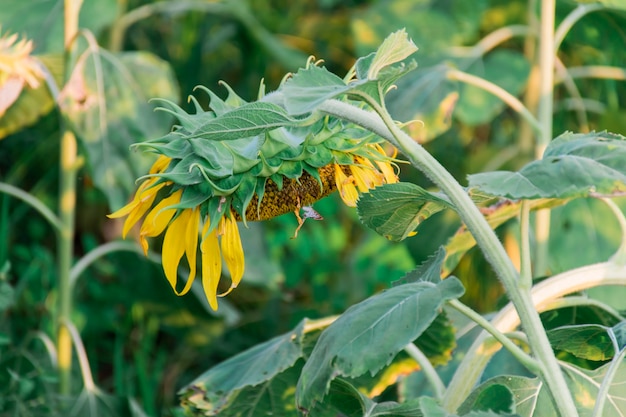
x=142 y=341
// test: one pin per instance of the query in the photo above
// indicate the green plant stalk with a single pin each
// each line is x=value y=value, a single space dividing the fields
x=65 y=244
x=427 y=368
x=526 y=274
x=546 y=296
x=497 y=91
x=571 y=19
x=67 y=207
x=545 y=113
x=530 y=363
x=35 y=203
x=607 y=382
x=595 y=71
x=485 y=237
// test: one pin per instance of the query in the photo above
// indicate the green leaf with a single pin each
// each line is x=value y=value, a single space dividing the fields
x=249 y=120
x=42 y=21
x=7 y=296
x=389 y=320
x=309 y=87
x=395 y=210
x=532 y=398
x=573 y=165
x=495 y=397
x=505 y=68
x=586 y=341
x=106 y=100
x=220 y=385
x=429 y=270
x=395 y=48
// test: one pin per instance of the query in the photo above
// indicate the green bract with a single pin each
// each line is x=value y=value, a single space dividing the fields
x=218 y=166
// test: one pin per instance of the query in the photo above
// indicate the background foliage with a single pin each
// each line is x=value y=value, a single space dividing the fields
x=143 y=342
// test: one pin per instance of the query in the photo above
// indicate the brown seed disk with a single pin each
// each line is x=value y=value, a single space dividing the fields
x=295 y=194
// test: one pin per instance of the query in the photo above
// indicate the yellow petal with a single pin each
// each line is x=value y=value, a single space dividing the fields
x=174 y=246
x=347 y=190
x=232 y=250
x=159 y=217
x=388 y=172
x=211 y=264
x=191 y=245
x=160 y=164
x=128 y=208
x=146 y=198
x=361 y=178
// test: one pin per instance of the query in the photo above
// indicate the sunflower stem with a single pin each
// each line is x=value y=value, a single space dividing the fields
x=383 y=125
x=67 y=209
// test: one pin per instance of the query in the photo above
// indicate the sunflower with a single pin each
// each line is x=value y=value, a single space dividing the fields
x=199 y=189
x=17 y=69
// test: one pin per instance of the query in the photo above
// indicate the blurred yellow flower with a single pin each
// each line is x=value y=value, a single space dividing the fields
x=17 y=69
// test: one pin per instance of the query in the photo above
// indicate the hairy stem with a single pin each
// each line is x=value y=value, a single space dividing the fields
x=545 y=296
x=485 y=237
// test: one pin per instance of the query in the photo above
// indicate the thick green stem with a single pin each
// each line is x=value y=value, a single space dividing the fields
x=545 y=113
x=383 y=125
x=545 y=296
x=67 y=209
x=526 y=275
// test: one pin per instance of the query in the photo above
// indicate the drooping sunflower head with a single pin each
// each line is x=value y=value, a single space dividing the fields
x=199 y=187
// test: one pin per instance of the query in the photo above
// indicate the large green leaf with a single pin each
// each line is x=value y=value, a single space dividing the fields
x=429 y=270
x=586 y=341
x=250 y=374
x=42 y=20
x=106 y=101
x=249 y=120
x=388 y=321
x=353 y=403
x=395 y=210
x=309 y=87
x=507 y=69
x=533 y=400
x=586 y=220
x=573 y=165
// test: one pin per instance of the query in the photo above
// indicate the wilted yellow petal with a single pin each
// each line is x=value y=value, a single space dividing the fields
x=146 y=199
x=232 y=249
x=160 y=164
x=211 y=264
x=174 y=246
x=388 y=172
x=346 y=187
x=191 y=245
x=132 y=205
x=363 y=178
x=159 y=217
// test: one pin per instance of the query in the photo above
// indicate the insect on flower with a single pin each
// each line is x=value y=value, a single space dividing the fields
x=199 y=188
